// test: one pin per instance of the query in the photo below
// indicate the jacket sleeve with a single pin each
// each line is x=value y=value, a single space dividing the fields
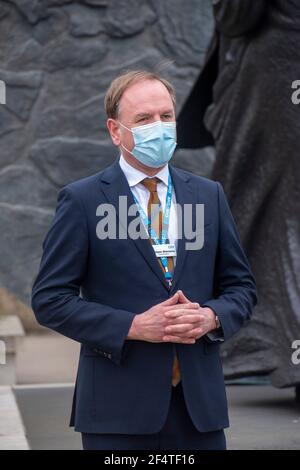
x=56 y=299
x=235 y=288
x=237 y=17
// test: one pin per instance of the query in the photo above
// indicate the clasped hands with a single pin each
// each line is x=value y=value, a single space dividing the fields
x=176 y=320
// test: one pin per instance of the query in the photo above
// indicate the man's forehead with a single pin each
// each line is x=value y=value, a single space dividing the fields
x=144 y=92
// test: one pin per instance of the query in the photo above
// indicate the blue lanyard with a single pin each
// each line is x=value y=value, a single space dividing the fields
x=164 y=232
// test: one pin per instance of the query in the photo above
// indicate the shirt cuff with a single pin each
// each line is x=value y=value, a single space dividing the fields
x=216 y=336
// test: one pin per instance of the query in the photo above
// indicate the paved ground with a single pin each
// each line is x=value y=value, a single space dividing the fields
x=47 y=358
x=45 y=411
x=261 y=417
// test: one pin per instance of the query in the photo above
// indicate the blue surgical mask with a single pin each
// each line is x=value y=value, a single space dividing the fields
x=155 y=143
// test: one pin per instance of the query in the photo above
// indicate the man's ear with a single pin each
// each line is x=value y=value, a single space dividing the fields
x=114 y=131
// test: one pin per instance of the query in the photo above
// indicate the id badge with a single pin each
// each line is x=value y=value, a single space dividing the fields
x=165 y=250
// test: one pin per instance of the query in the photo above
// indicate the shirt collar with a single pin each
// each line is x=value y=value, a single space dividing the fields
x=135 y=176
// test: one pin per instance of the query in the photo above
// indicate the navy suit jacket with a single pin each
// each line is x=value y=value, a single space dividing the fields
x=90 y=290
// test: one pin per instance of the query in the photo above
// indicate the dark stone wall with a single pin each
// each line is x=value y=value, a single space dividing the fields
x=57 y=57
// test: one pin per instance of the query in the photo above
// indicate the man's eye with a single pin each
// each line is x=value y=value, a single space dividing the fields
x=167 y=116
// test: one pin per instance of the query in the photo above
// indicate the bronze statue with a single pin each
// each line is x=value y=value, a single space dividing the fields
x=249 y=114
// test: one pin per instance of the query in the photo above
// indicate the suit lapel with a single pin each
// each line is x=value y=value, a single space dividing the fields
x=114 y=184
x=184 y=195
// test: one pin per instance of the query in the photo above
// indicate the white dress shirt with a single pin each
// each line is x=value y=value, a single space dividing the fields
x=142 y=194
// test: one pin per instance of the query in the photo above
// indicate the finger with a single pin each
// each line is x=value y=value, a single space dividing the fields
x=196 y=333
x=178 y=339
x=177 y=312
x=193 y=334
x=182 y=306
x=182 y=298
x=184 y=319
x=182 y=328
x=171 y=301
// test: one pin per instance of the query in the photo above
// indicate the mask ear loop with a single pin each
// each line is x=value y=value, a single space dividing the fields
x=125 y=126
x=123 y=146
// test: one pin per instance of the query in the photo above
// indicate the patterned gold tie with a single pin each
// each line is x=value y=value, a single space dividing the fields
x=151 y=185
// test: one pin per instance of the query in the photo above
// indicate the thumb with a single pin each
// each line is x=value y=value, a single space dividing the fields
x=172 y=300
x=182 y=298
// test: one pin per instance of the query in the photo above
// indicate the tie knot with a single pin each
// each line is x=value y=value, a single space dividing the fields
x=150 y=184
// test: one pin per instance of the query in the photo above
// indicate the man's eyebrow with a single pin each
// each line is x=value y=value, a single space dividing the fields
x=166 y=111
x=142 y=115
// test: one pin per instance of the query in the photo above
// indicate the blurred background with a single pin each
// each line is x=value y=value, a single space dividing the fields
x=57 y=58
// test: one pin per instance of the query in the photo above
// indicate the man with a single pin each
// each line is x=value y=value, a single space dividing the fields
x=150 y=326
